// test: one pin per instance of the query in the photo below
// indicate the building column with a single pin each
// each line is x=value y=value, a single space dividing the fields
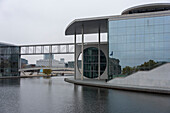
x=75 y=60
x=51 y=60
x=82 y=49
x=19 y=61
x=99 y=53
x=50 y=57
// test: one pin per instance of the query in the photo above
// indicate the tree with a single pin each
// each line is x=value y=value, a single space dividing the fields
x=47 y=71
x=127 y=70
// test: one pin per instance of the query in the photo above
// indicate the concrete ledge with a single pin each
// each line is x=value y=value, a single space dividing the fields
x=102 y=84
x=17 y=77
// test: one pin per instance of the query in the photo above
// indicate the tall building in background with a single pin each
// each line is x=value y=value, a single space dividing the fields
x=47 y=62
x=62 y=60
x=48 y=56
x=71 y=64
x=9 y=60
x=24 y=63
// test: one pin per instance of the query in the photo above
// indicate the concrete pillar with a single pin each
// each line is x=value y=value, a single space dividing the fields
x=19 y=61
x=51 y=61
x=99 y=53
x=50 y=57
x=75 y=60
x=82 y=49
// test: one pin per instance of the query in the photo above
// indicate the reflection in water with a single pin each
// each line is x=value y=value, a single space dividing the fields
x=9 y=95
x=90 y=99
x=53 y=95
x=8 y=82
x=135 y=102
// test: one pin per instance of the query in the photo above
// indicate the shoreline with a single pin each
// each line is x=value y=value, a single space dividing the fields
x=102 y=84
x=18 y=77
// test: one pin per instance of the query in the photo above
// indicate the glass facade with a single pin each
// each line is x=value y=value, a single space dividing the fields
x=9 y=60
x=138 y=44
x=91 y=62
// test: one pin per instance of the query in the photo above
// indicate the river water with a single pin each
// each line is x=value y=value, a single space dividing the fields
x=53 y=95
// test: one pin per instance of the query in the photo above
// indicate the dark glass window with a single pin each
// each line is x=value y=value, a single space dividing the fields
x=91 y=62
x=9 y=59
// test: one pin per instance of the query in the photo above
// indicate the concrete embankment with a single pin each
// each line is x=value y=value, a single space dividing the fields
x=154 y=81
x=102 y=84
x=17 y=77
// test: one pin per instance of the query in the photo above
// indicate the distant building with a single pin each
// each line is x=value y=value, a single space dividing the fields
x=53 y=63
x=30 y=66
x=48 y=56
x=62 y=60
x=24 y=62
x=71 y=64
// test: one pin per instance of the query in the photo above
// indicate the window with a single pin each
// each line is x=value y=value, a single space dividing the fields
x=91 y=62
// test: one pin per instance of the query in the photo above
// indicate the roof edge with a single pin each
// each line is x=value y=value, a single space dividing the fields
x=84 y=20
x=144 y=6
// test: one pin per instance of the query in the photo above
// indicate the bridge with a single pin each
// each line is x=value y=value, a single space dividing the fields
x=63 y=48
x=41 y=49
x=54 y=70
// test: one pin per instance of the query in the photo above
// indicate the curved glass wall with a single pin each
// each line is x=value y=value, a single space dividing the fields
x=91 y=62
x=138 y=44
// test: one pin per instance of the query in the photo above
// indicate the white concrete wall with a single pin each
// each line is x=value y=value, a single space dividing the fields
x=158 y=77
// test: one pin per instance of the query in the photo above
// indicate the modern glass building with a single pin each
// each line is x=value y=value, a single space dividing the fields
x=9 y=60
x=141 y=41
x=138 y=39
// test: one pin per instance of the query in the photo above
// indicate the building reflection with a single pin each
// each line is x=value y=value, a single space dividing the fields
x=91 y=98
x=8 y=82
x=114 y=67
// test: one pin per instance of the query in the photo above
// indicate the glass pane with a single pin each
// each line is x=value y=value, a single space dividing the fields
x=149 y=21
x=159 y=20
x=167 y=19
x=140 y=22
x=140 y=30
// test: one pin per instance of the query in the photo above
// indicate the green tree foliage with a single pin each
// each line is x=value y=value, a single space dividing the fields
x=147 y=65
x=47 y=71
x=129 y=70
x=143 y=67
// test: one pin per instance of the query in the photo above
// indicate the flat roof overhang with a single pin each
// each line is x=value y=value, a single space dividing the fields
x=90 y=26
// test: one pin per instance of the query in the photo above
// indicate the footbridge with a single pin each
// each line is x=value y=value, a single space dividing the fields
x=63 y=48
x=54 y=70
x=41 y=49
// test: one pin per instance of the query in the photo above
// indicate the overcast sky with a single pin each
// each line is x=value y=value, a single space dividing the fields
x=44 y=21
